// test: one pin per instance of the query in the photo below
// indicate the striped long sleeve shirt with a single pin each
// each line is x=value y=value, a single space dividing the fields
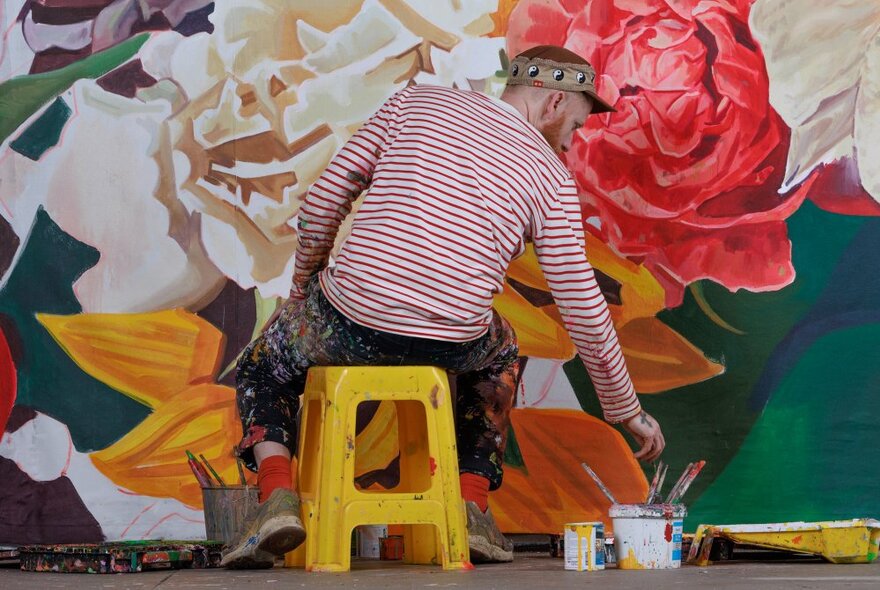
x=458 y=184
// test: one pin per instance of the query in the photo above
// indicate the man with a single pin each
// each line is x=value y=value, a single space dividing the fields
x=458 y=184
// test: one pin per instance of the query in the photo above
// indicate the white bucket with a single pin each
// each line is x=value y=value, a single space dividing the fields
x=647 y=536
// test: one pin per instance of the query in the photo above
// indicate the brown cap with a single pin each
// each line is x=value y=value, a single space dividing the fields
x=551 y=66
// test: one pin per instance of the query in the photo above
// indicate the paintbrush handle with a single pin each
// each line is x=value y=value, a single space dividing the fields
x=659 y=490
x=203 y=483
x=201 y=469
x=653 y=489
x=678 y=483
x=690 y=479
x=599 y=483
x=212 y=470
x=240 y=472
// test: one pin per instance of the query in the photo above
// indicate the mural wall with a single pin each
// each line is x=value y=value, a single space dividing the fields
x=154 y=154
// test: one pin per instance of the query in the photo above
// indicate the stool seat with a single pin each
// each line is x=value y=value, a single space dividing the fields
x=427 y=501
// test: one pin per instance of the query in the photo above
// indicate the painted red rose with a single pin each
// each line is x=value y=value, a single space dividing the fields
x=684 y=176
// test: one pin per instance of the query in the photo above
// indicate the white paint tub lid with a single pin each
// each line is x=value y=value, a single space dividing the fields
x=664 y=511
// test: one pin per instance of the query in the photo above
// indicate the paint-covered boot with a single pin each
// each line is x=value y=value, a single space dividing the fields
x=486 y=543
x=275 y=530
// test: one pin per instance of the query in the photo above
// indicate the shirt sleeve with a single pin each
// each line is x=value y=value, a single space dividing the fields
x=559 y=241
x=329 y=200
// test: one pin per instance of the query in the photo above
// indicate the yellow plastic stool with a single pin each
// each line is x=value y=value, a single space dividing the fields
x=427 y=500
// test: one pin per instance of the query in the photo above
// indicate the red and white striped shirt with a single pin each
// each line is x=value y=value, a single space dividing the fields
x=458 y=183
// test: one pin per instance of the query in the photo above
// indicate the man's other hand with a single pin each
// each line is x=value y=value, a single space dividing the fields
x=647 y=433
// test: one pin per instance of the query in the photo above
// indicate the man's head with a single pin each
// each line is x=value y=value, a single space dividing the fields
x=554 y=88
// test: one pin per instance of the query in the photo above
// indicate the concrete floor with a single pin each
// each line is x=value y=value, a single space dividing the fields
x=527 y=572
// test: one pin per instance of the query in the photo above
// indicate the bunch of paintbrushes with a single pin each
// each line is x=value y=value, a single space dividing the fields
x=203 y=471
x=678 y=490
x=684 y=482
x=657 y=483
x=675 y=495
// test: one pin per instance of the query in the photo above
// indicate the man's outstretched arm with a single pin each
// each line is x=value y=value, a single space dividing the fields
x=559 y=243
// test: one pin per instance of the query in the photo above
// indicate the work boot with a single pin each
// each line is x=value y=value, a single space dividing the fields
x=486 y=542
x=273 y=531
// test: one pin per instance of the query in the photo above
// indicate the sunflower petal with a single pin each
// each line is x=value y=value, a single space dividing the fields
x=660 y=359
x=554 y=489
x=150 y=460
x=148 y=357
x=538 y=334
x=376 y=445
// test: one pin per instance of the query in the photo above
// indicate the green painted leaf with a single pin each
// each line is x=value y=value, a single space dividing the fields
x=49 y=381
x=22 y=96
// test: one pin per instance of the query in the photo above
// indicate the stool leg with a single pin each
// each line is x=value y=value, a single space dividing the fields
x=441 y=431
x=331 y=537
x=419 y=541
x=308 y=477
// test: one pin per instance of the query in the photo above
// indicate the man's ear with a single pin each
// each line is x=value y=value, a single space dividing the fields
x=555 y=102
x=552 y=104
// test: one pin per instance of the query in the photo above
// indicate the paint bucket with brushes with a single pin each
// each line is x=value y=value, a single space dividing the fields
x=648 y=536
x=227 y=510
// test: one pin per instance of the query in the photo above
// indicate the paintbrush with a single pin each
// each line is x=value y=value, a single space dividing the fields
x=599 y=483
x=201 y=477
x=678 y=483
x=240 y=470
x=657 y=492
x=658 y=467
x=206 y=480
x=213 y=472
x=691 y=476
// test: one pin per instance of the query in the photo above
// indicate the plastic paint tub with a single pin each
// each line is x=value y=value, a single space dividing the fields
x=647 y=536
x=584 y=544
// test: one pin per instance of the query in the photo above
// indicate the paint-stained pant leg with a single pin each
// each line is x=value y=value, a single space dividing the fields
x=272 y=372
x=485 y=396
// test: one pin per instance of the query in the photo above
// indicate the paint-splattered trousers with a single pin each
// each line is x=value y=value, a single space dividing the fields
x=309 y=332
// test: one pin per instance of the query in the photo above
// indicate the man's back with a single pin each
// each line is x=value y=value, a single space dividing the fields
x=457 y=182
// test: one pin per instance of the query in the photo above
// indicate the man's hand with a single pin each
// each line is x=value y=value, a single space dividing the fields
x=647 y=433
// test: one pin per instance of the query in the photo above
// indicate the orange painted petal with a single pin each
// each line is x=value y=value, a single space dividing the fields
x=501 y=16
x=151 y=460
x=538 y=334
x=660 y=359
x=527 y=270
x=148 y=357
x=554 y=489
x=640 y=292
x=376 y=445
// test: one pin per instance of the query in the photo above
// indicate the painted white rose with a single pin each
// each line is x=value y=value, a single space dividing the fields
x=200 y=176
x=100 y=185
x=823 y=60
x=246 y=150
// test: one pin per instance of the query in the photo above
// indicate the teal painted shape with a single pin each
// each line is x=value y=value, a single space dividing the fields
x=43 y=133
x=48 y=380
x=22 y=96
x=810 y=456
x=512 y=453
x=710 y=420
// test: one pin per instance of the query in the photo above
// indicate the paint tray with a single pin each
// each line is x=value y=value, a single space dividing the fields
x=838 y=541
x=120 y=557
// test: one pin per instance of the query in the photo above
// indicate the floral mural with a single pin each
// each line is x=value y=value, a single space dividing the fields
x=153 y=156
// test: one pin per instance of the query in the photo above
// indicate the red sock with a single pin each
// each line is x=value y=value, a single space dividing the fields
x=274 y=473
x=475 y=488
